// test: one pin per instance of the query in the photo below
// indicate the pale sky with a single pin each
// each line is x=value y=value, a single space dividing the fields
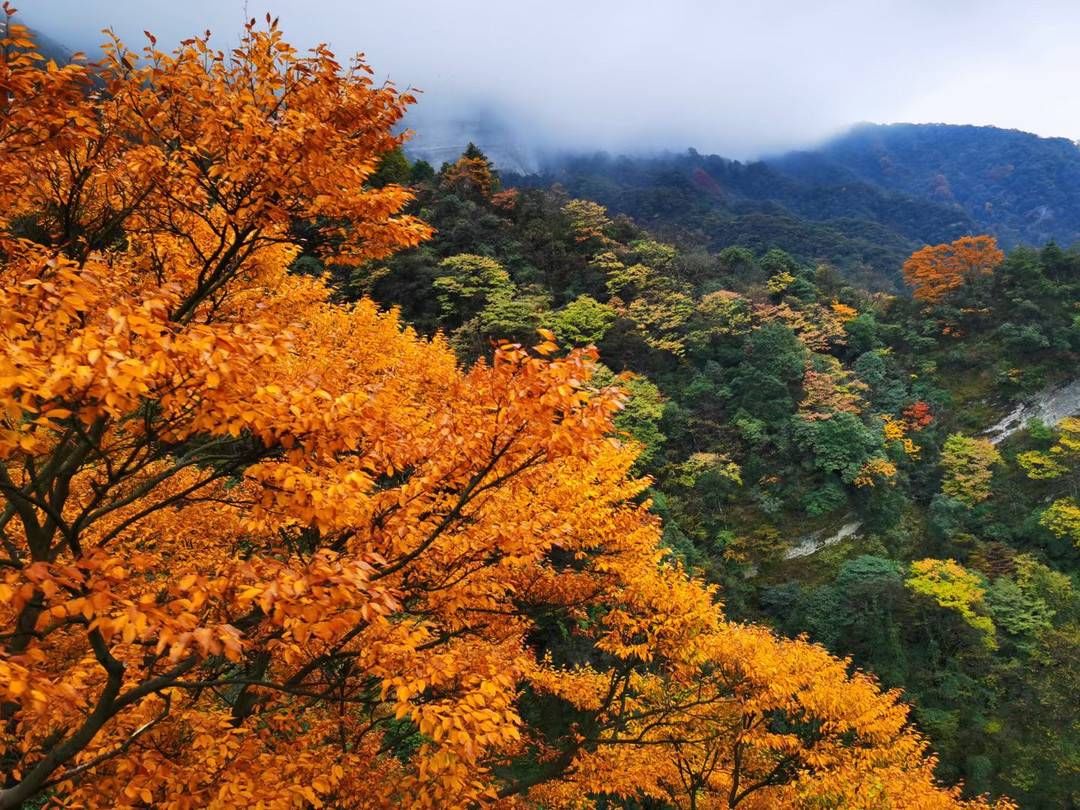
x=736 y=78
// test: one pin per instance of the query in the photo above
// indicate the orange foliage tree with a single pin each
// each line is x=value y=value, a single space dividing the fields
x=935 y=270
x=471 y=174
x=264 y=550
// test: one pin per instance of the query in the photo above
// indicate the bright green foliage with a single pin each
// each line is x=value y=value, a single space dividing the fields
x=719 y=315
x=657 y=255
x=662 y=317
x=1054 y=463
x=1062 y=517
x=583 y=321
x=954 y=588
x=778 y=283
x=629 y=280
x=1042 y=582
x=466 y=283
x=588 y=221
x=641 y=414
x=511 y=315
x=968 y=466
x=702 y=464
x=641 y=287
x=1017 y=611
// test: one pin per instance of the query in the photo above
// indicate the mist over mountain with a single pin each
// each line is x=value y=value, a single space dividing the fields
x=862 y=200
x=439 y=135
x=736 y=79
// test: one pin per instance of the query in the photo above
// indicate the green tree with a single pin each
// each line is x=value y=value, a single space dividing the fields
x=466 y=283
x=393 y=168
x=583 y=321
x=840 y=444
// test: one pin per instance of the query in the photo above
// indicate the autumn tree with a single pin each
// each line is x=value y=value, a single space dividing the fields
x=472 y=174
x=639 y=281
x=968 y=465
x=935 y=270
x=467 y=283
x=588 y=222
x=583 y=321
x=829 y=388
x=956 y=589
x=266 y=550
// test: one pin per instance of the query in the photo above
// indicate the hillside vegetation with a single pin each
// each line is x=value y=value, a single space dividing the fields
x=779 y=405
x=861 y=202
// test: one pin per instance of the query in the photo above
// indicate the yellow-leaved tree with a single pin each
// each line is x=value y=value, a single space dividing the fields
x=264 y=550
x=1059 y=464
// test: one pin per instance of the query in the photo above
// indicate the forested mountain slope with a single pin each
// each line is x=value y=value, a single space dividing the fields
x=1017 y=186
x=862 y=202
x=779 y=405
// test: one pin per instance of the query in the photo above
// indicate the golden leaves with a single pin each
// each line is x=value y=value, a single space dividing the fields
x=873 y=471
x=968 y=465
x=954 y=588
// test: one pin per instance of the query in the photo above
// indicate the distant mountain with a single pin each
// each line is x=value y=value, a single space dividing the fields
x=714 y=202
x=863 y=201
x=1015 y=185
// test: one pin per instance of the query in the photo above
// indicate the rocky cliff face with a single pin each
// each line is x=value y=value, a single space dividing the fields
x=1049 y=406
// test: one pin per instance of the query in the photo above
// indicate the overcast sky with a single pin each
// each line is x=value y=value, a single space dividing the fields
x=737 y=78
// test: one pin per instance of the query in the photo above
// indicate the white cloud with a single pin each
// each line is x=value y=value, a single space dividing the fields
x=738 y=78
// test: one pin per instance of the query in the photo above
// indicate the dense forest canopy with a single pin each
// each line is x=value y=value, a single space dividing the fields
x=831 y=456
x=334 y=479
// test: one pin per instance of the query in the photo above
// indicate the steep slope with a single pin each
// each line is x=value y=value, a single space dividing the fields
x=863 y=201
x=714 y=202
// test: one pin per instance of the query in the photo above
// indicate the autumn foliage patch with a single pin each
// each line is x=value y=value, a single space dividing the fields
x=261 y=549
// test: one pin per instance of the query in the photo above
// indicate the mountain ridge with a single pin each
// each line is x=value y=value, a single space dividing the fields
x=863 y=200
x=1021 y=187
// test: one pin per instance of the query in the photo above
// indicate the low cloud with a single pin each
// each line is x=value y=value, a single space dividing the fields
x=736 y=78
